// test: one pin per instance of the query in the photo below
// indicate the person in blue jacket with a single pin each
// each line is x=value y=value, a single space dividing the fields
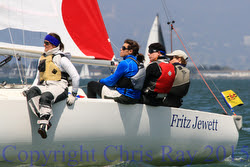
x=118 y=86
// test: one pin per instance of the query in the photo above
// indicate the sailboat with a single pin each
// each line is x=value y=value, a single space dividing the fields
x=84 y=74
x=98 y=131
x=30 y=71
x=155 y=35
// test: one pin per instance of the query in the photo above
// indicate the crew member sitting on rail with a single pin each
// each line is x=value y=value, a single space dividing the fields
x=118 y=86
x=51 y=82
x=160 y=76
x=182 y=81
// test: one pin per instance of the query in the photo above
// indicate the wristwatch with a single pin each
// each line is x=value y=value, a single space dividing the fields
x=74 y=94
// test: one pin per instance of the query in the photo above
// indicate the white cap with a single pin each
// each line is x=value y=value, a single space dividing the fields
x=178 y=53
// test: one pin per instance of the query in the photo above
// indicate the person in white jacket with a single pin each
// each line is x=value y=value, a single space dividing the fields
x=51 y=82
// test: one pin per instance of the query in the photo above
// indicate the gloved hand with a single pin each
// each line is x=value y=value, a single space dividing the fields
x=71 y=99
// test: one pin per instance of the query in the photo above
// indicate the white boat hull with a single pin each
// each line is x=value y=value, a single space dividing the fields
x=103 y=132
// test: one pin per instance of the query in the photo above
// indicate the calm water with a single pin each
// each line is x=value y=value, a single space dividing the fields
x=199 y=98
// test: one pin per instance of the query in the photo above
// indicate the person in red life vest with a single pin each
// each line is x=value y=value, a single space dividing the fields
x=182 y=81
x=160 y=76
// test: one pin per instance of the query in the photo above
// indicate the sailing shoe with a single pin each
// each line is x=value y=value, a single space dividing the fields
x=49 y=125
x=43 y=130
x=44 y=127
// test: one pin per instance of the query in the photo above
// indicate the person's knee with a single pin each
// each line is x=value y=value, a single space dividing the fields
x=91 y=84
x=32 y=92
x=62 y=96
x=46 y=99
x=94 y=88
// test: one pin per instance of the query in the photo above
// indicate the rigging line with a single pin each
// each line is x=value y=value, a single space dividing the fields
x=201 y=65
x=211 y=79
x=199 y=71
x=23 y=24
x=115 y=58
x=169 y=21
x=115 y=46
x=167 y=13
x=215 y=86
x=25 y=62
x=14 y=53
x=165 y=10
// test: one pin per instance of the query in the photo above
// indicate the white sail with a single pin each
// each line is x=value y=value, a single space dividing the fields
x=155 y=35
x=30 y=71
x=84 y=74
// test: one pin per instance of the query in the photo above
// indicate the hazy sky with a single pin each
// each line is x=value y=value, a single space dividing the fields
x=215 y=32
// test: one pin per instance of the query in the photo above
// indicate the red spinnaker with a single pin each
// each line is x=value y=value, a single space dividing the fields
x=86 y=27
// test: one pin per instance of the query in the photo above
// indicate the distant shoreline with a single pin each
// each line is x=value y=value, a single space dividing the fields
x=222 y=74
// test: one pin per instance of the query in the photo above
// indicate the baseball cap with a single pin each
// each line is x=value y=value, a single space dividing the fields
x=178 y=53
x=155 y=47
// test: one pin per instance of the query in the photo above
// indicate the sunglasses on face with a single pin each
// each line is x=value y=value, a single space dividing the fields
x=152 y=51
x=124 y=48
x=46 y=42
x=172 y=57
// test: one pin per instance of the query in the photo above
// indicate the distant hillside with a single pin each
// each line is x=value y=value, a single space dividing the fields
x=21 y=37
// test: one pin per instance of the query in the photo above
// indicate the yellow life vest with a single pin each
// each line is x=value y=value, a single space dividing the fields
x=48 y=70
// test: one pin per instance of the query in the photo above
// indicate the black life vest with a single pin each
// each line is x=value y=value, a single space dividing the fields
x=182 y=81
x=136 y=81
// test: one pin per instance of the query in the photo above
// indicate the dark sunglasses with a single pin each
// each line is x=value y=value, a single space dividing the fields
x=46 y=43
x=124 y=48
x=152 y=51
x=173 y=57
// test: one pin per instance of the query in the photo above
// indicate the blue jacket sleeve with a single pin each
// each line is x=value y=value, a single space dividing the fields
x=112 y=79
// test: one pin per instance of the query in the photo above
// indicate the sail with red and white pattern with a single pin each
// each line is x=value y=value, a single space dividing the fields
x=85 y=25
x=79 y=23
